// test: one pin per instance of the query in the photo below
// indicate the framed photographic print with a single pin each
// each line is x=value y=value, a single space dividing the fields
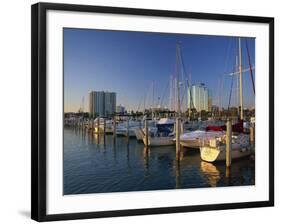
x=138 y=111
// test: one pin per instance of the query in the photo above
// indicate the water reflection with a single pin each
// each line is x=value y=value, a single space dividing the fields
x=96 y=163
x=211 y=172
x=178 y=173
x=146 y=155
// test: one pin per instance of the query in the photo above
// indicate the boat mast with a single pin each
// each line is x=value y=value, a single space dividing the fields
x=171 y=92
x=190 y=96
x=152 y=111
x=82 y=107
x=241 y=80
x=178 y=78
x=237 y=84
x=144 y=104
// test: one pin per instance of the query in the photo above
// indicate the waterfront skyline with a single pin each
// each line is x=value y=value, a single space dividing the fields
x=101 y=103
x=129 y=62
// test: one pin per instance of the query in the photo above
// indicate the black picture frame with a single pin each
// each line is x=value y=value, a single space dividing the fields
x=38 y=108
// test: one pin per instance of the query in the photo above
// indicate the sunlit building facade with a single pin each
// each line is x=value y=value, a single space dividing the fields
x=199 y=97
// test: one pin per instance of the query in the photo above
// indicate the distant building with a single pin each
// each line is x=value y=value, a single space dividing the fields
x=199 y=97
x=109 y=103
x=120 y=109
x=102 y=103
x=210 y=101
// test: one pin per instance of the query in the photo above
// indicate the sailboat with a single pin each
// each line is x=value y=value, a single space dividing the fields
x=163 y=137
x=215 y=149
x=195 y=139
x=122 y=128
x=160 y=135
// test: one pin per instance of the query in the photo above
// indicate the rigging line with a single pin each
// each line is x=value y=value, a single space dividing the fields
x=250 y=65
x=188 y=83
x=178 y=53
x=231 y=87
x=139 y=105
x=184 y=81
x=229 y=100
x=146 y=97
x=183 y=94
x=164 y=94
x=230 y=45
x=221 y=89
x=182 y=97
x=182 y=77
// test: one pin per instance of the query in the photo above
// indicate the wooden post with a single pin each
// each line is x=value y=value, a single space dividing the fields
x=252 y=135
x=104 y=132
x=114 y=128
x=128 y=129
x=146 y=134
x=228 y=143
x=98 y=128
x=104 y=126
x=182 y=127
x=227 y=173
x=178 y=133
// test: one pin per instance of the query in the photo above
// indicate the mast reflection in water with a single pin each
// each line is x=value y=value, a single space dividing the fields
x=93 y=164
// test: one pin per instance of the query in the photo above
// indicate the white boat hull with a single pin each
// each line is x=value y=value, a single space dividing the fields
x=159 y=141
x=196 y=139
x=190 y=143
x=124 y=132
x=215 y=154
x=139 y=134
x=131 y=133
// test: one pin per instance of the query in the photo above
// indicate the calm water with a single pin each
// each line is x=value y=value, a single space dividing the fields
x=93 y=164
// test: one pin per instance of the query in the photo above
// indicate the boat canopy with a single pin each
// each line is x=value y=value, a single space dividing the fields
x=166 y=121
x=238 y=127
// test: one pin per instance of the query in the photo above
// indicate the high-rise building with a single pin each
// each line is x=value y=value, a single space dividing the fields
x=102 y=103
x=199 y=97
x=109 y=103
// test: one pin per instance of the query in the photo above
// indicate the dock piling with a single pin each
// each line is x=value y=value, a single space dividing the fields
x=178 y=133
x=146 y=134
x=182 y=127
x=128 y=133
x=252 y=135
x=114 y=128
x=98 y=128
x=228 y=143
x=104 y=126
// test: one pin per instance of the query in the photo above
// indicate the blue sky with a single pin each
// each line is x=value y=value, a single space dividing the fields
x=129 y=62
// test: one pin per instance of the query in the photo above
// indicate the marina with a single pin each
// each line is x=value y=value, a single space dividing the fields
x=187 y=138
x=97 y=164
